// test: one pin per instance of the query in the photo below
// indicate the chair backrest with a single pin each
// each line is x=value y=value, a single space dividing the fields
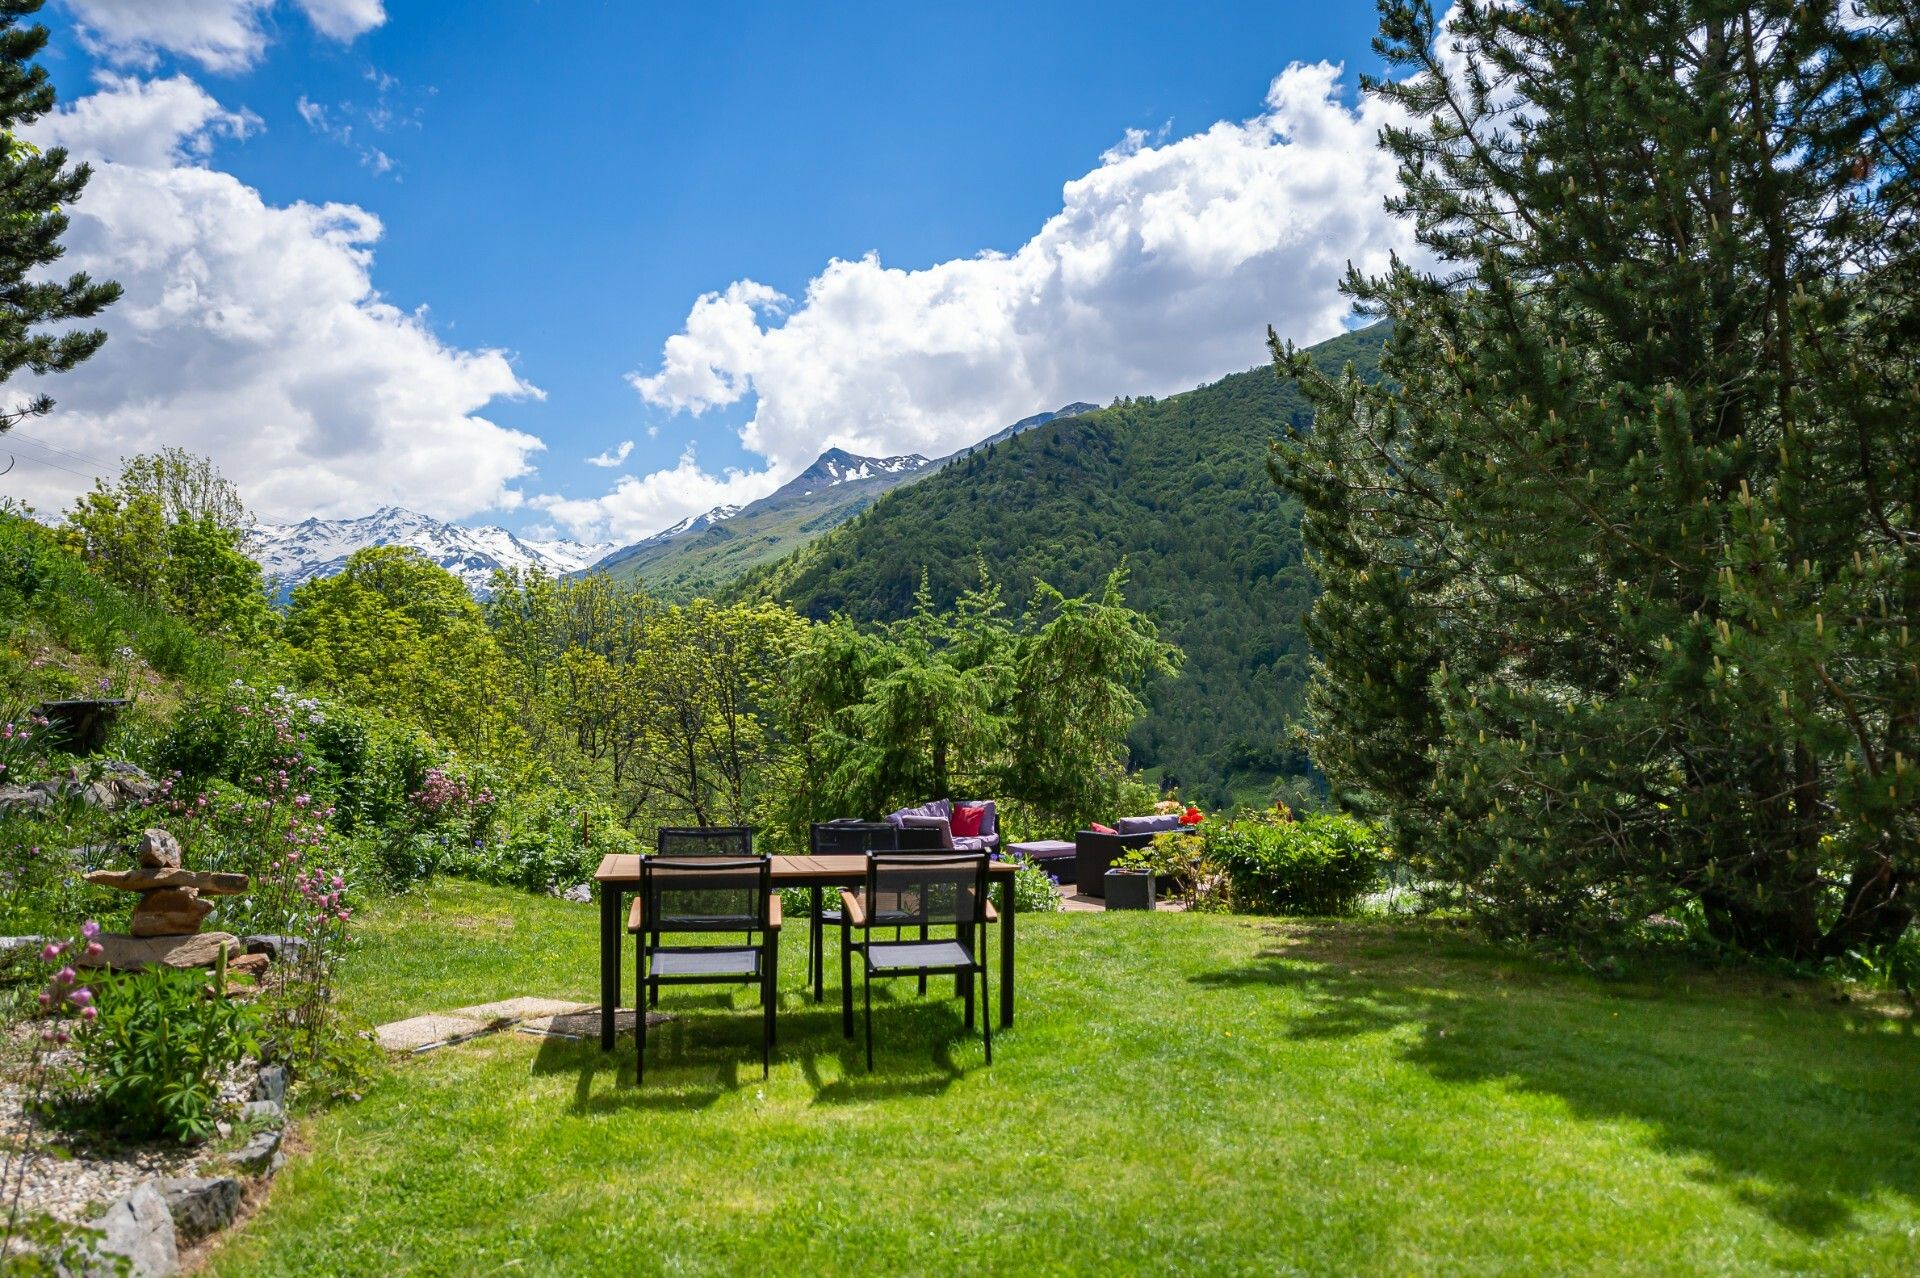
x=917 y=888
x=920 y=838
x=708 y=840
x=706 y=893
x=845 y=837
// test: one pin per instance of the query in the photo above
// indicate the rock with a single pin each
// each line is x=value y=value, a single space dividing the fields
x=159 y=850
x=281 y=949
x=248 y=964
x=579 y=894
x=125 y=953
x=264 y=1113
x=29 y=798
x=260 y=1156
x=201 y=1205
x=140 y=1228
x=169 y=912
x=145 y=880
x=271 y=1083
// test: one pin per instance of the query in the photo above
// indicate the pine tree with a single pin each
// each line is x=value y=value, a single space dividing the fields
x=34 y=186
x=1621 y=564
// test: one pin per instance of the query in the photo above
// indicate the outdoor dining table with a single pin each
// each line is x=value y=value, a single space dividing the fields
x=620 y=874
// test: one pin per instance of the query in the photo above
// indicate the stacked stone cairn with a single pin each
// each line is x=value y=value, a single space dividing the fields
x=165 y=927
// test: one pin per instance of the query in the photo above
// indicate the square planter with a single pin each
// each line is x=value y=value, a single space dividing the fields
x=1129 y=890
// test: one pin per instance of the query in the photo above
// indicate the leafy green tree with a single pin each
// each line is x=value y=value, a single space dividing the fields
x=33 y=187
x=170 y=530
x=395 y=631
x=1621 y=562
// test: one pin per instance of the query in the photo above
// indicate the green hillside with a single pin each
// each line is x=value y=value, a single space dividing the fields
x=1178 y=488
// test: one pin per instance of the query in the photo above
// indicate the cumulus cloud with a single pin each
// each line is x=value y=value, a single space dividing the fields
x=640 y=505
x=252 y=333
x=1162 y=269
x=613 y=456
x=221 y=35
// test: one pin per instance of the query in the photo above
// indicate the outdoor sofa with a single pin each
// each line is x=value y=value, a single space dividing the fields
x=1095 y=850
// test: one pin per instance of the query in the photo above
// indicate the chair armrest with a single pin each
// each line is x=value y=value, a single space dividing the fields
x=636 y=915
x=773 y=912
x=856 y=911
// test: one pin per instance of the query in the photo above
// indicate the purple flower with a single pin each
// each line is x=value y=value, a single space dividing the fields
x=90 y=929
x=81 y=997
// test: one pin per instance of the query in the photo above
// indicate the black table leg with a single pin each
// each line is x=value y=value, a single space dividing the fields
x=817 y=948
x=1006 y=955
x=609 y=964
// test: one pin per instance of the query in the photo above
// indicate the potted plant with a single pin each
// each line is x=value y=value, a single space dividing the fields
x=1130 y=881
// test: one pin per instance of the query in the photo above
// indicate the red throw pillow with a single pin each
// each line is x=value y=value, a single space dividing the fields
x=1097 y=828
x=967 y=819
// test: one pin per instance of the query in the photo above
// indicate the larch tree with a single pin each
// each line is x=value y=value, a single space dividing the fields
x=1621 y=563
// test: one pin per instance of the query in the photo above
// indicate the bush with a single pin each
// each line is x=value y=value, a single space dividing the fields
x=152 y=1060
x=1322 y=865
x=542 y=848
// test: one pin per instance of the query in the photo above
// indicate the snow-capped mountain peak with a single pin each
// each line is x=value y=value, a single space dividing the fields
x=837 y=466
x=697 y=523
x=294 y=553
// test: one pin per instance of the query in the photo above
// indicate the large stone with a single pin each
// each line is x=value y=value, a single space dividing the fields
x=140 y=1228
x=265 y=1112
x=254 y=965
x=424 y=1033
x=159 y=850
x=201 y=1205
x=145 y=880
x=169 y=912
x=281 y=949
x=271 y=1083
x=24 y=797
x=261 y=1155
x=125 y=953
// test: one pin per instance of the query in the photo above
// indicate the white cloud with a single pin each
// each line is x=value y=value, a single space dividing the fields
x=638 y=506
x=252 y=333
x=613 y=456
x=221 y=35
x=1162 y=269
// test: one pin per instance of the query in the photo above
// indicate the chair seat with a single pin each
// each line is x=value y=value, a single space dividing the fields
x=710 y=961
x=893 y=956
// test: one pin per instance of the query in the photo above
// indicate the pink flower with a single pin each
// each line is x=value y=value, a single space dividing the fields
x=90 y=929
x=51 y=951
x=94 y=949
x=81 y=997
x=89 y=1013
x=66 y=976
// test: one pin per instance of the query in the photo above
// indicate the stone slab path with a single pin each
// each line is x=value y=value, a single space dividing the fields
x=539 y=1017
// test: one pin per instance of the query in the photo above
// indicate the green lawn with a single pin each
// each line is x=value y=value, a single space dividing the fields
x=1182 y=1093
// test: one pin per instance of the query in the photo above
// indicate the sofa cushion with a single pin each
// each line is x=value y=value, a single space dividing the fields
x=920 y=821
x=1150 y=824
x=971 y=843
x=942 y=808
x=967 y=819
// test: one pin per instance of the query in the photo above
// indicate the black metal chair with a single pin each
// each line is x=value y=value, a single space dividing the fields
x=693 y=896
x=926 y=892
x=838 y=838
x=706 y=840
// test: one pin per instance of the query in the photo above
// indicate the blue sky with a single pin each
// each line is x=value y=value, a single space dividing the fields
x=557 y=184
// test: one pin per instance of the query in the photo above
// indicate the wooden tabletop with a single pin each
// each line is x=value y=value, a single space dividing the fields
x=852 y=868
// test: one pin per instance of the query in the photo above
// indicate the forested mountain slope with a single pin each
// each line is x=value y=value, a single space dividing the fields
x=1177 y=488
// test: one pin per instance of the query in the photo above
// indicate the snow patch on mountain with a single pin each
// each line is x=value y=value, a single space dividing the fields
x=290 y=554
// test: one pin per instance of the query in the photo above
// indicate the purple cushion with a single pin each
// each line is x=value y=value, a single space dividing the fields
x=917 y=821
x=1148 y=824
x=967 y=843
x=941 y=808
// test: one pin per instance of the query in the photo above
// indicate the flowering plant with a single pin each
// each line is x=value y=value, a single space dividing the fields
x=1192 y=816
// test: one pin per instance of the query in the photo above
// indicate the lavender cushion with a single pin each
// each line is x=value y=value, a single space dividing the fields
x=1148 y=824
x=968 y=843
x=941 y=808
x=916 y=821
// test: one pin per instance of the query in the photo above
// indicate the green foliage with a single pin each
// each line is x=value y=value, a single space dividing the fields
x=1622 y=562
x=1033 y=890
x=964 y=702
x=47 y=595
x=1175 y=490
x=170 y=532
x=395 y=631
x=35 y=187
x=543 y=847
x=150 y=1065
x=1324 y=864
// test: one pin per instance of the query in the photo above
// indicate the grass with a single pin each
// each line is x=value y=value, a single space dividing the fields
x=1182 y=1093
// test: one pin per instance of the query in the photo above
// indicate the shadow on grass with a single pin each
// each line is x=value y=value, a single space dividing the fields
x=1804 y=1111
x=711 y=1047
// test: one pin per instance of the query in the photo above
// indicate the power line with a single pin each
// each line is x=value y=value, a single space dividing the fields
x=41 y=461
x=51 y=447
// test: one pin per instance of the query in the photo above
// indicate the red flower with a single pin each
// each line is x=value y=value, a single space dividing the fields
x=1190 y=817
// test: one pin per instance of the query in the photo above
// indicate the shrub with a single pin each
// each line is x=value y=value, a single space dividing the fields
x=542 y=847
x=1322 y=865
x=152 y=1059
